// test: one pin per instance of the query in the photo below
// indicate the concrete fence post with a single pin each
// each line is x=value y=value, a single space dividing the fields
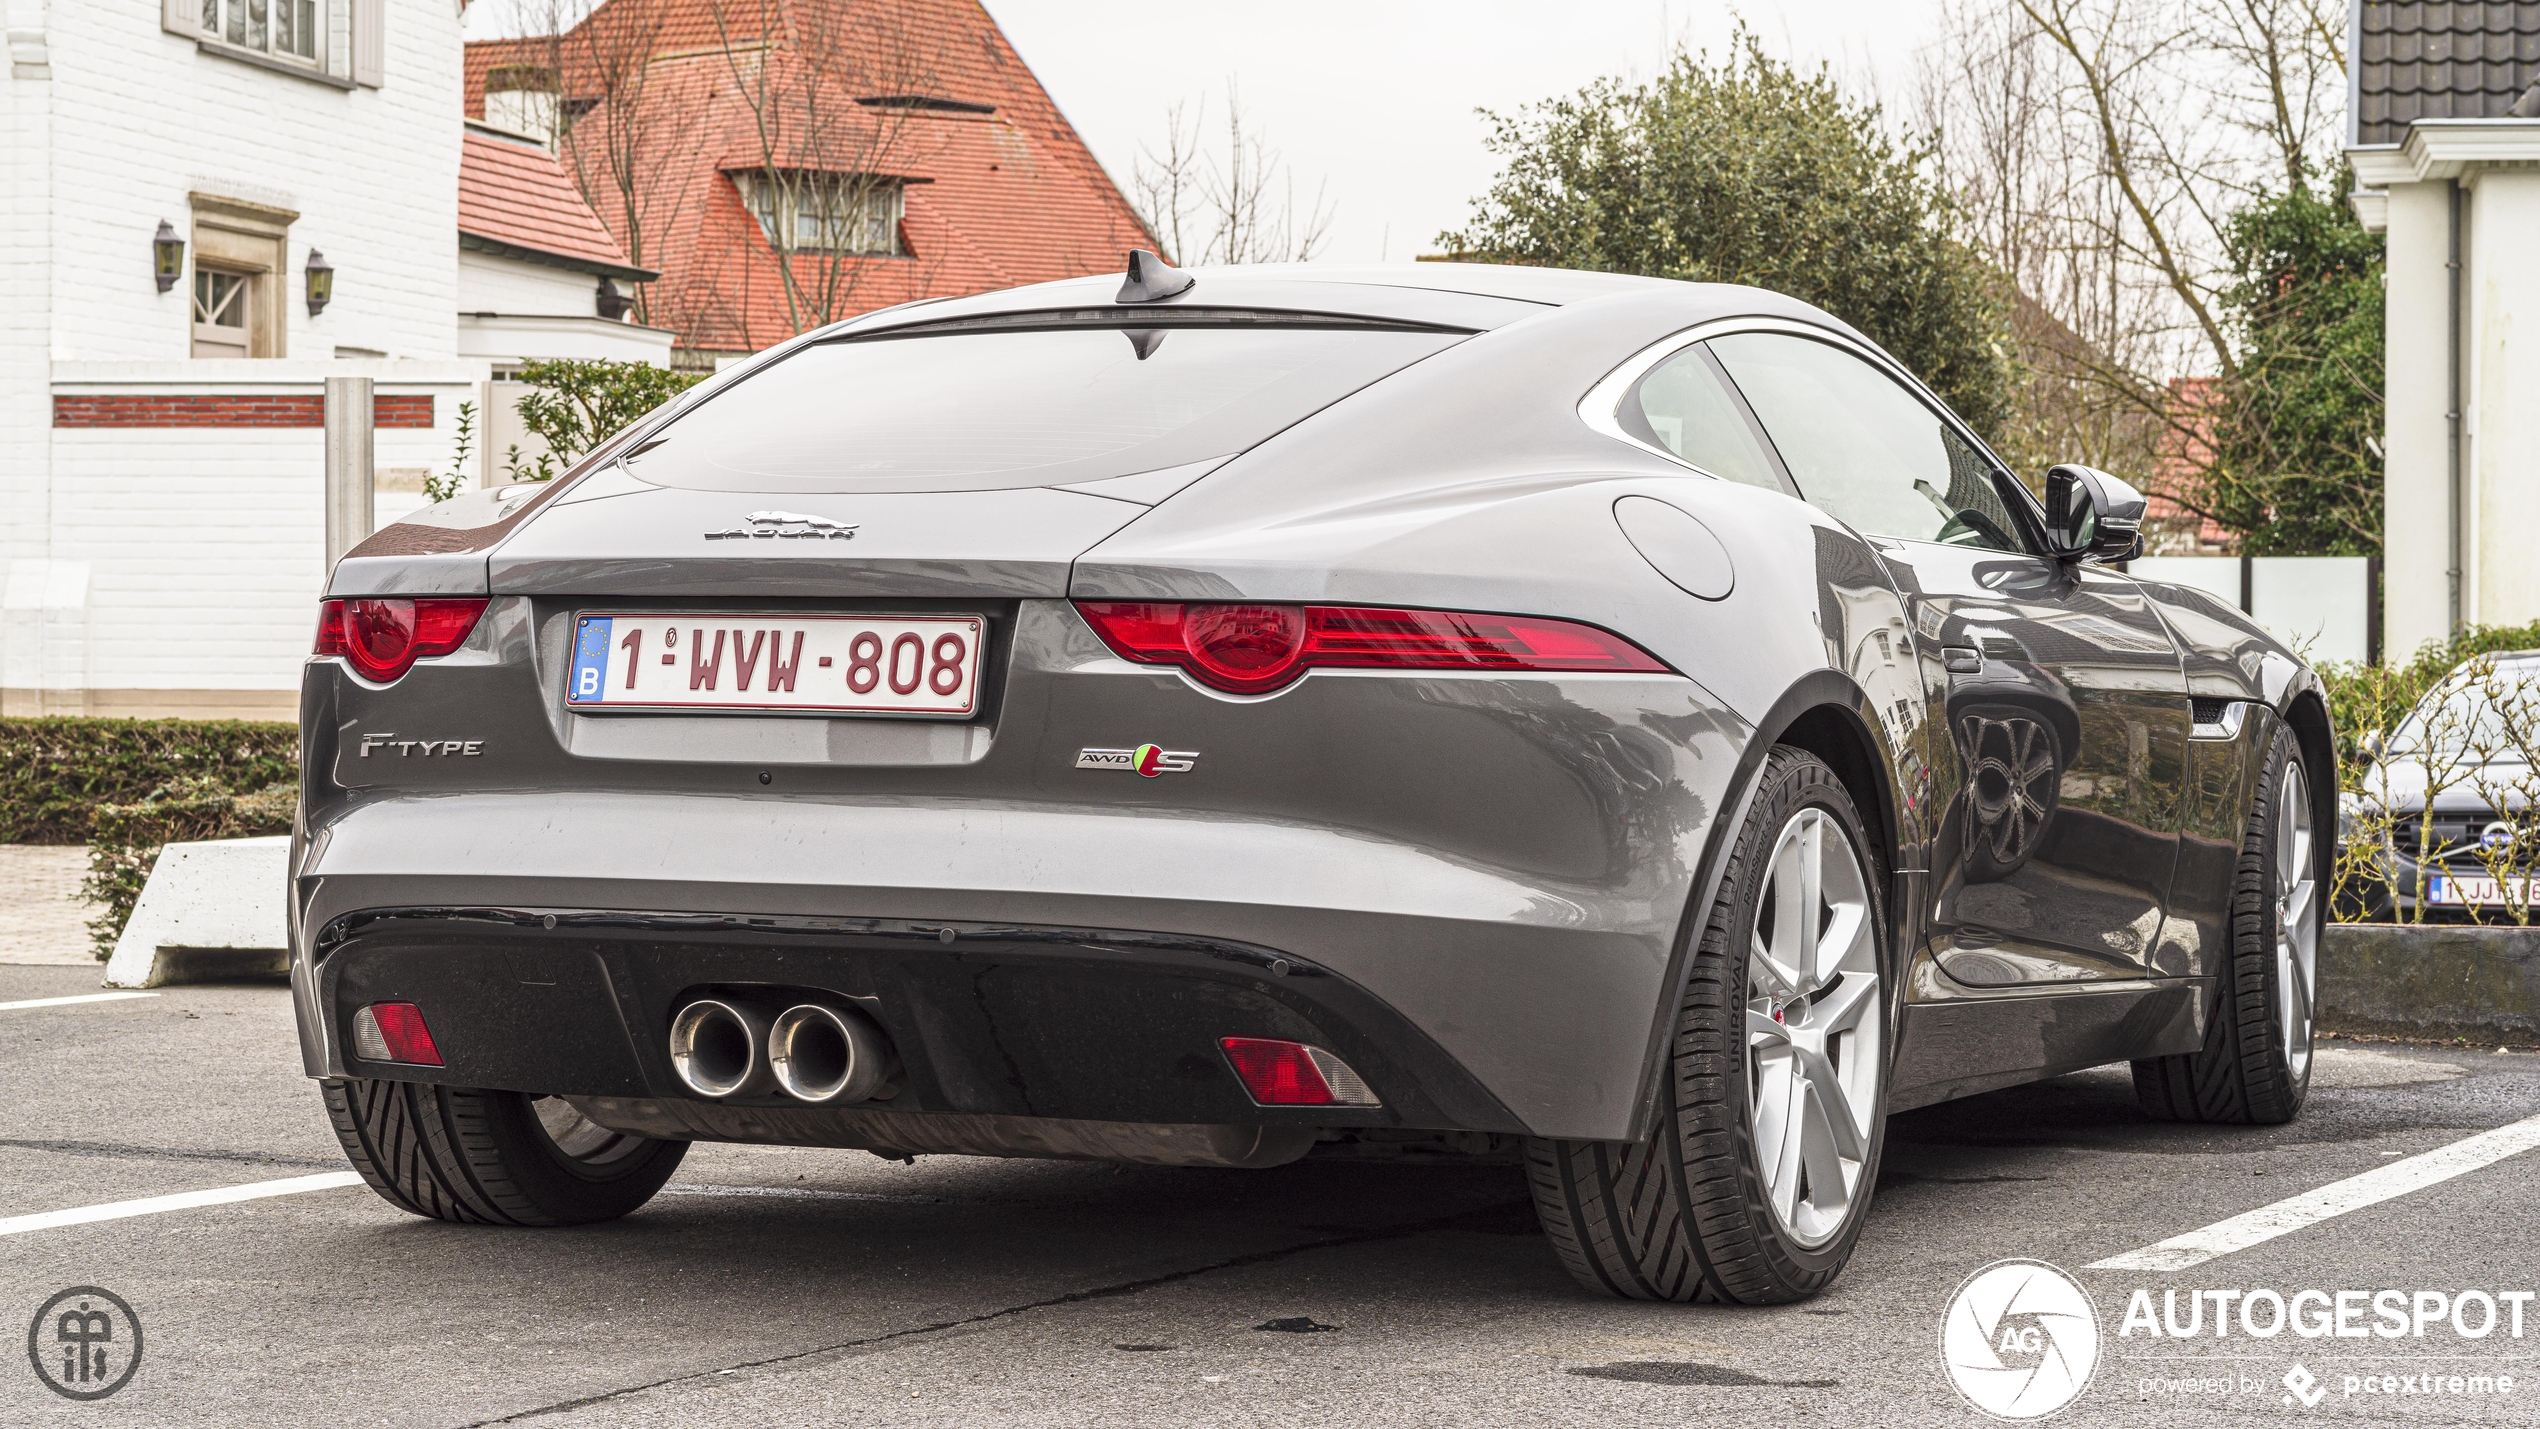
x=351 y=486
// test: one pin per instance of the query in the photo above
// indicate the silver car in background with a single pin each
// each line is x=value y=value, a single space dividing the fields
x=1218 y=718
x=2468 y=851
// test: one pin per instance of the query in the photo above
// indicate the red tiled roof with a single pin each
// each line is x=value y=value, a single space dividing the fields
x=517 y=196
x=693 y=89
x=2186 y=446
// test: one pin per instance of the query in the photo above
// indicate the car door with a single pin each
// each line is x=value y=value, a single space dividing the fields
x=2058 y=787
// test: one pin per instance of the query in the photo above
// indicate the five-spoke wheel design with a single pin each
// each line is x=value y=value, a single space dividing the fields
x=1812 y=1027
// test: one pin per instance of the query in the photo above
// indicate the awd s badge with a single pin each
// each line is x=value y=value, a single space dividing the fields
x=1146 y=759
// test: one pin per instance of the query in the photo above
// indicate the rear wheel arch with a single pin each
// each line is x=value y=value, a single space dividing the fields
x=1821 y=713
x=1838 y=735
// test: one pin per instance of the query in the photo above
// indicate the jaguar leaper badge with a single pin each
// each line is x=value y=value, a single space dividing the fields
x=786 y=525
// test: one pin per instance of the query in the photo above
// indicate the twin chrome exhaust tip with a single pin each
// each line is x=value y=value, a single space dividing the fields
x=811 y=1051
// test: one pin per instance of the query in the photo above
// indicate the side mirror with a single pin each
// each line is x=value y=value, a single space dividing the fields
x=2092 y=516
x=2371 y=746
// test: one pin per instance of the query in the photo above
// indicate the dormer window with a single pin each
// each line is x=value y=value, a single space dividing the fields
x=810 y=211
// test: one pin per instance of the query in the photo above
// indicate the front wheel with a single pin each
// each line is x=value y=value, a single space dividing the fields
x=1767 y=1131
x=493 y=1158
x=2255 y=1066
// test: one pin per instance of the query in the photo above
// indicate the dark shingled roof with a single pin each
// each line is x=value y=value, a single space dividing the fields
x=2416 y=59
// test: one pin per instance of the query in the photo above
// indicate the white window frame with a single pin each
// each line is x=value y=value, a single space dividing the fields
x=778 y=210
x=258 y=27
x=345 y=44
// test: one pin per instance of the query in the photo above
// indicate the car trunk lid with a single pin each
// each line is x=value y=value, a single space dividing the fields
x=631 y=540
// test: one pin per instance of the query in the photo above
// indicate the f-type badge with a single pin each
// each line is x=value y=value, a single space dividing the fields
x=1146 y=759
x=786 y=525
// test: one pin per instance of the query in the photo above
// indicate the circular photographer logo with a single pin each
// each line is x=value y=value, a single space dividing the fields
x=85 y=1343
x=2020 y=1340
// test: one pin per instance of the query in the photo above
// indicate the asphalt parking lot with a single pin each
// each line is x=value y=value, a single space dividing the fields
x=796 y=1287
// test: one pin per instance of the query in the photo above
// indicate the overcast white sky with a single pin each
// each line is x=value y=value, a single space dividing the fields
x=1375 y=99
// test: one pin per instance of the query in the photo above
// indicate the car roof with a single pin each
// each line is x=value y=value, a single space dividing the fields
x=1472 y=296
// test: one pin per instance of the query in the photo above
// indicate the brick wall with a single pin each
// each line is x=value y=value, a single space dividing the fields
x=228 y=410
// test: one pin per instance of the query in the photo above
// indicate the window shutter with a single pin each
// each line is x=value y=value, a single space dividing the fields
x=370 y=42
x=181 y=17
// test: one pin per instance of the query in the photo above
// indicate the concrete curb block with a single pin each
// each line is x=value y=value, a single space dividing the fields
x=2436 y=981
x=211 y=910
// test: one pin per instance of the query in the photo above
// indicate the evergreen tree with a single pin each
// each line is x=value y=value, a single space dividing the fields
x=1750 y=172
x=2294 y=471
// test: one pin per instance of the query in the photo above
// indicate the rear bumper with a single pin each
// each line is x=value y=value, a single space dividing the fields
x=1469 y=997
x=1073 y=1024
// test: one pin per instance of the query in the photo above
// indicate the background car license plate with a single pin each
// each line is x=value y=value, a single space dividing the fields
x=2473 y=890
x=850 y=664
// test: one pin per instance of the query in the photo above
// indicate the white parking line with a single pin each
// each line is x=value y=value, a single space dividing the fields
x=183 y=1200
x=2335 y=1199
x=67 y=1001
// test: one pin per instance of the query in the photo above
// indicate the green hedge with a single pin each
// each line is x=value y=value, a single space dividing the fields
x=125 y=839
x=56 y=773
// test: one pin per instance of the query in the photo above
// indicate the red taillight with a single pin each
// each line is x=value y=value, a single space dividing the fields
x=1250 y=649
x=1293 y=1074
x=382 y=638
x=394 y=1032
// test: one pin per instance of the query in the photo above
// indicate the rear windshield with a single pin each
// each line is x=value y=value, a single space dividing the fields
x=980 y=411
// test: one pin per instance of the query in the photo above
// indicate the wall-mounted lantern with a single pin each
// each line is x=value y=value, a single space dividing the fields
x=321 y=282
x=612 y=303
x=167 y=256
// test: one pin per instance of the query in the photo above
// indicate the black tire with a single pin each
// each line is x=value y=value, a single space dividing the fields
x=2249 y=1072
x=1684 y=1215
x=490 y=1158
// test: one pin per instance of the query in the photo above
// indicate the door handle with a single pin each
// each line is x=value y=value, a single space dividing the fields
x=1961 y=660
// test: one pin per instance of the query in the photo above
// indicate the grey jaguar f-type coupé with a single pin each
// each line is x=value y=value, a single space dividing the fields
x=1215 y=718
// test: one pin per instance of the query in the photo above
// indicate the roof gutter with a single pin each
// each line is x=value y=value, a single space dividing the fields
x=499 y=248
x=2455 y=199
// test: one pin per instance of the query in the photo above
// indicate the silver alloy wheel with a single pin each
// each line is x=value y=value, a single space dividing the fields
x=1813 y=1021
x=582 y=1140
x=2296 y=919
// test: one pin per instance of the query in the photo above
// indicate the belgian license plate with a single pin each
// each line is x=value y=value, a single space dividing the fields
x=2475 y=891
x=835 y=664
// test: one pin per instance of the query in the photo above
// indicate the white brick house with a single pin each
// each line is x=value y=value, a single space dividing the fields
x=2445 y=140
x=161 y=478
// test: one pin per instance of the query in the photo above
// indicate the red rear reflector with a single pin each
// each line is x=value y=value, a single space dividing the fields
x=382 y=638
x=394 y=1032
x=1293 y=1074
x=1252 y=649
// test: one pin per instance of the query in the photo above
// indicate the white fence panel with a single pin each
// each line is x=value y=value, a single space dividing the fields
x=2319 y=605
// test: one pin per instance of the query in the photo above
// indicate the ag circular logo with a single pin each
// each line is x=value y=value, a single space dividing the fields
x=2020 y=1340
x=85 y=1343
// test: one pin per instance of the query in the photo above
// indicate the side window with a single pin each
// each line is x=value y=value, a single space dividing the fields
x=1865 y=449
x=1683 y=405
